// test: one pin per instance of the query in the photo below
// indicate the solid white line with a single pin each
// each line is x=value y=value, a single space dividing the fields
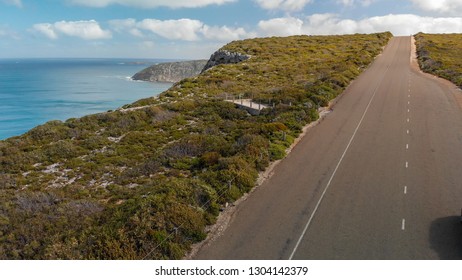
x=335 y=170
x=403 y=224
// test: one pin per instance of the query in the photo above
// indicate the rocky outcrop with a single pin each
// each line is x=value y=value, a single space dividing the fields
x=171 y=72
x=225 y=57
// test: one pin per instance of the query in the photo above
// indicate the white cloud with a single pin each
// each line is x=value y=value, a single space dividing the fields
x=440 y=6
x=225 y=33
x=88 y=30
x=6 y=32
x=151 y=3
x=17 y=3
x=363 y=3
x=281 y=26
x=147 y=44
x=346 y=2
x=179 y=29
x=126 y=25
x=285 y=5
x=46 y=29
x=330 y=24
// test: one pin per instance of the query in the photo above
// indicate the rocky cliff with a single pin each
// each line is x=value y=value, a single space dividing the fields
x=225 y=57
x=171 y=72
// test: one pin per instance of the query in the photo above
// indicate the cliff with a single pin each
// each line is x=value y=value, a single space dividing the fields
x=170 y=72
x=224 y=57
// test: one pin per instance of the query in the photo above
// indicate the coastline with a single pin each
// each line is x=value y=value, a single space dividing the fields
x=35 y=91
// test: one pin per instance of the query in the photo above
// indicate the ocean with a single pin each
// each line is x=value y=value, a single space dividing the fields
x=34 y=91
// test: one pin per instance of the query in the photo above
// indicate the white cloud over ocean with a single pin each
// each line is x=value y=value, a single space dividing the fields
x=286 y=5
x=151 y=3
x=350 y=3
x=88 y=30
x=179 y=29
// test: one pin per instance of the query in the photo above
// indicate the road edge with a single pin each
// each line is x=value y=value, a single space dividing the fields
x=227 y=215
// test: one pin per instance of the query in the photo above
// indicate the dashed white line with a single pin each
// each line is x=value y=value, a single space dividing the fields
x=407 y=131
x=408 y=120
x=405 y=189
x=407 y=164
x=407 y=146
x=403 y=224
x=408 y=110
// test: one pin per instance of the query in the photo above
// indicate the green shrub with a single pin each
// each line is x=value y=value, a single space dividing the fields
x=277 y=151
x=439 y=54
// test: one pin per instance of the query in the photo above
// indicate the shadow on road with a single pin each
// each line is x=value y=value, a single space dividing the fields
x=446 y=238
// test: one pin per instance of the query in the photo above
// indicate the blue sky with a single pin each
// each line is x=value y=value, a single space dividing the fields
x=187 y=29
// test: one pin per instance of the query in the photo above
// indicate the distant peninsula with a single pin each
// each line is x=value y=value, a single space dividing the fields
x=171 y=72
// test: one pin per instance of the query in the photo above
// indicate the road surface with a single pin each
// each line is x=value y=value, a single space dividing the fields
x=379 y=178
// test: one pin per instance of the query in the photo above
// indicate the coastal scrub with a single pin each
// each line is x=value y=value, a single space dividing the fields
x=144 y=181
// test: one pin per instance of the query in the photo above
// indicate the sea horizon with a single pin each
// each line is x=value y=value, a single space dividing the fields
x=34 y=91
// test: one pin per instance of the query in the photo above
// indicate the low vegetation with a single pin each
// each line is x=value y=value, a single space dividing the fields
x=439 y=54
x=145 y=181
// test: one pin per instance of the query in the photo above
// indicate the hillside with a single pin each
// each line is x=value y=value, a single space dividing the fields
x=439 y=54
x=171 y=72
x=145 y=180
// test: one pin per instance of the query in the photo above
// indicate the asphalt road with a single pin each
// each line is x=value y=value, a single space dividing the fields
x=379 y=178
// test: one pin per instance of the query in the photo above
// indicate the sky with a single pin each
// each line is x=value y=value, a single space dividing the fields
x=194 y=29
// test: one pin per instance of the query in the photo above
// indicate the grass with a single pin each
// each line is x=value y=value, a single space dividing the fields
x=439 y=54
x=145 y=181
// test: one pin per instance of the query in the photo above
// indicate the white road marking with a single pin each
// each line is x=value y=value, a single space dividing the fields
x=407 y=164
x=409 y=103
x=408 y=131
x=408 y=120
x=407 y=146
x=408 y=110
x=405 y=189
x=299 y=241
x=403 y=224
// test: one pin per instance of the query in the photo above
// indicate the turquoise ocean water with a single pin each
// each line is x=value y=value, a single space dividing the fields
x=34 y=91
